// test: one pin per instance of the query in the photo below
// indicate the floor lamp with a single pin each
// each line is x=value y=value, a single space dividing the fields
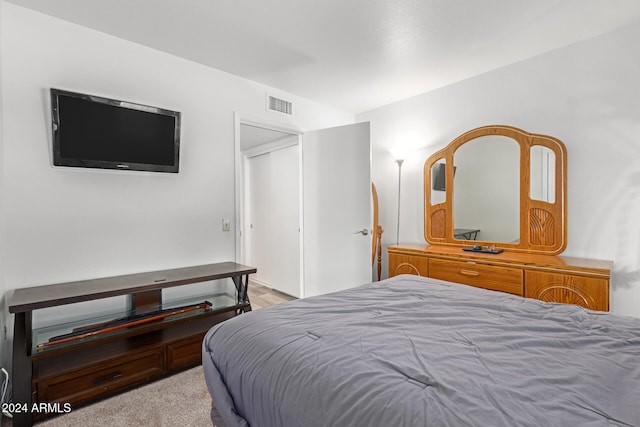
x=399 y=162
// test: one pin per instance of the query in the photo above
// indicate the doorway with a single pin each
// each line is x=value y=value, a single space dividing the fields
x=332 y=248
x=271 y=214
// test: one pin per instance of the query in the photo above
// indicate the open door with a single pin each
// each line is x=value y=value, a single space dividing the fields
x=336 y=208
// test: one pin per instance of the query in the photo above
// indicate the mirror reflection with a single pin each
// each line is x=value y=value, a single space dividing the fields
x=542 y=162
x=438 y=178
x=486 y=190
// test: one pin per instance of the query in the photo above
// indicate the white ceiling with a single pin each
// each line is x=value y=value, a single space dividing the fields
x=355 y=55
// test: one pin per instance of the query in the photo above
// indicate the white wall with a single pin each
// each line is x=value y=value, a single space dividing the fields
x=67 y=224
x=3 y=299
x=587 y=95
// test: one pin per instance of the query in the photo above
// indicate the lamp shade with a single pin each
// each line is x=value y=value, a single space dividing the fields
x=398 y=154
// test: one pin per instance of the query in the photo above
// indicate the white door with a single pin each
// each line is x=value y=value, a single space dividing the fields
x=260 y=218
x=336 y=208
x=274 y=219
x=285 y=219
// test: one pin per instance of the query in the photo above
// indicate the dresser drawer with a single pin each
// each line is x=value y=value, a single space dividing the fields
x=408 y=264
x=588 y=292
x=83 y=384
x=496 y=278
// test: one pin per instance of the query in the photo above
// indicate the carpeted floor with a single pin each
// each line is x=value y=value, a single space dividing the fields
x=180 y=400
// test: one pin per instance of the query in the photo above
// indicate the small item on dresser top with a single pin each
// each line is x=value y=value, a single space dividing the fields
x=484 y=249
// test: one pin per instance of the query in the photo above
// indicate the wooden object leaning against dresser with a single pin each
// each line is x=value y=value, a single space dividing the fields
x=568 y=280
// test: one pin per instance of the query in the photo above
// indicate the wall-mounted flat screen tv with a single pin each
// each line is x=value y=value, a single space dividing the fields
x=94 y=132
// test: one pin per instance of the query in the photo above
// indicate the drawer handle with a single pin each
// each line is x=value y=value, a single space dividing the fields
x=111 y=376
x=469 y=273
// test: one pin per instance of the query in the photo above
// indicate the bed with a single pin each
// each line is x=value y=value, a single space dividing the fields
x=414 y=351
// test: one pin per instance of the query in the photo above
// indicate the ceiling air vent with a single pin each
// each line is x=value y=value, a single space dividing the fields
x=279 y=105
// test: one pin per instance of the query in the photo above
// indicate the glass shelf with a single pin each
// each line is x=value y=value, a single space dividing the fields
x=121 y=323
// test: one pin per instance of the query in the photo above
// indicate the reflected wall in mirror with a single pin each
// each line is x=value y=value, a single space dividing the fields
x=486 y=190
x=509 y=191
x=543 y=165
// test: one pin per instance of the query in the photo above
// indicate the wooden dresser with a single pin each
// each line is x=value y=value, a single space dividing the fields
x=510 y=194
x=584 y=282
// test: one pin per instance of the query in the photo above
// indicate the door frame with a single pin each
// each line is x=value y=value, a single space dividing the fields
x=241 y=158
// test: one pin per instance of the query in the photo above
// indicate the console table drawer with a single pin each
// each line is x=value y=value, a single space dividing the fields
x=184 y=353
x=504 y=279
x=101 y=378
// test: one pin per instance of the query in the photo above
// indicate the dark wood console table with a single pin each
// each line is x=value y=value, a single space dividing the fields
x=95 y=366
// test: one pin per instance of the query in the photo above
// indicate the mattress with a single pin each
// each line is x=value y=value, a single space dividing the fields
x=413 y=351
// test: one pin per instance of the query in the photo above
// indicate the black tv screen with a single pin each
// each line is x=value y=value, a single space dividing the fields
x=95 y=132
x=439 y=183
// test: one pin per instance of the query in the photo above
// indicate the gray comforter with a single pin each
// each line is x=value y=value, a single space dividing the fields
x=411 y=351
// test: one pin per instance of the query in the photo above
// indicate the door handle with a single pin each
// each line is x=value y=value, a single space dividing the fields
x=364 y=232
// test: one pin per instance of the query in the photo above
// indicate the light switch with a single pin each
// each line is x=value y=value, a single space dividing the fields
x=226 y=225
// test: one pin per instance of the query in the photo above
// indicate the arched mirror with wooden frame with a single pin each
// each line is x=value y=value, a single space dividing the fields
x=506 y=189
